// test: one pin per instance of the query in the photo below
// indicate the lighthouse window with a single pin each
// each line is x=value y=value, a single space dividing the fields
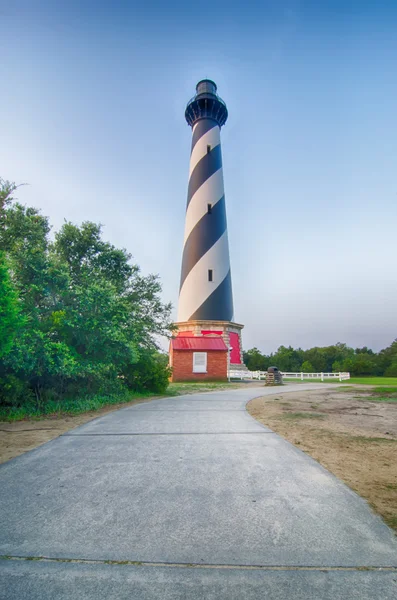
x=209 y=274
x=209 y=208
x=208 y=149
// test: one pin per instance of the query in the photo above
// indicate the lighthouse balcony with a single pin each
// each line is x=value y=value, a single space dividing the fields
x=206 y=106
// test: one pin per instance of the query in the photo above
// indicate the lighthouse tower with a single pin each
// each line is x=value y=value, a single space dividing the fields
x=205 y=298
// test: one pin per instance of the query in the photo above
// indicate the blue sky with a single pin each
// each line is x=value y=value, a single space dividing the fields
x=92 y=117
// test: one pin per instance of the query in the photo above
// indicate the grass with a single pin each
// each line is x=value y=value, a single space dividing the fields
x=77 y=406
x=368 y=440
x=388 y=399
x=74 y=406
x=178 y=389
x=391 y=521
x=382 y=394
x=379 y=381
x=302 y=415
x=326 y=380
x=390 y=381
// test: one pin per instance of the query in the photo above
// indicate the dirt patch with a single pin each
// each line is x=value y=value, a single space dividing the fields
x=352 y=437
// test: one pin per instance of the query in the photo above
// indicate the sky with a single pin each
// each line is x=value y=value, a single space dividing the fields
x=92 y=118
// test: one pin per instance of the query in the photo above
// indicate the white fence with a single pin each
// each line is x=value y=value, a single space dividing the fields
x=237 y=374
x=321 y=376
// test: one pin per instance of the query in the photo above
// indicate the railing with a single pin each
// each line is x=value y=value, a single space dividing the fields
x=321 y=376
x=207 y=95
x=246 y=374
x=237 y=374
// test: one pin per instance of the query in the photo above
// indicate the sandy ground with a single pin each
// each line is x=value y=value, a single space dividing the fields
x=21 y=436
x=352 y=437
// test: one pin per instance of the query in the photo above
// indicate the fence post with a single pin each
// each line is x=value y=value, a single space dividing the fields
x=340 y=376
x=322 y=376
x=301 y=376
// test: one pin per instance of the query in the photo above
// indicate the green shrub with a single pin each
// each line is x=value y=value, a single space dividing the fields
x=14 y=391
x=150 y=373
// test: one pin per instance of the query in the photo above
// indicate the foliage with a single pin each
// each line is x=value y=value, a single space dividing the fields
x=149 y=372
x=80 y=318
x=391 y=370
x=72 y=406
x=9 y=308
x=336 y=358
x=307 y=367
x=256 y=361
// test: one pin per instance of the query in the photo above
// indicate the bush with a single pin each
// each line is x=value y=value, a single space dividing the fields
x=150 y=373
x=14 y=391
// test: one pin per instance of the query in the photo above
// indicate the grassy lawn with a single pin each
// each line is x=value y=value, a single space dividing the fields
x=389 y=381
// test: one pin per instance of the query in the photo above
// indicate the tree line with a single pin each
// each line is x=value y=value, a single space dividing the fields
x=327 y=359
x=77 y=317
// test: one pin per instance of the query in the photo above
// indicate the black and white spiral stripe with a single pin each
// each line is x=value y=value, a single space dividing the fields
x=206 y=243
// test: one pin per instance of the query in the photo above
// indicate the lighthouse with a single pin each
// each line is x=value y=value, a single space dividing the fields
x=205 y=308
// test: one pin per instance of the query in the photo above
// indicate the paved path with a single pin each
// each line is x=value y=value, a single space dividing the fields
x=210 y=504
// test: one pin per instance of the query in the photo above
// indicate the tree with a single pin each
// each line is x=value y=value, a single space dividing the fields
x=37 y=354
x=307 y=367
x=255 y=360
x=347 y=365
x=336 y=358
x=7 y=188
x=88 y=315
x=363 y=364
x=391 y=371
x=90 y=259
x=288 y=359
x=10 y=318
x=317 y=359
x=364 y=350
x=386 y=358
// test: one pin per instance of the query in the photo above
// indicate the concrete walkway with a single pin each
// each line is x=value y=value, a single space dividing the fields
x=205 y=501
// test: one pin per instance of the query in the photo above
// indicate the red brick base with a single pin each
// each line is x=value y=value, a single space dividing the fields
x=182 y=366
